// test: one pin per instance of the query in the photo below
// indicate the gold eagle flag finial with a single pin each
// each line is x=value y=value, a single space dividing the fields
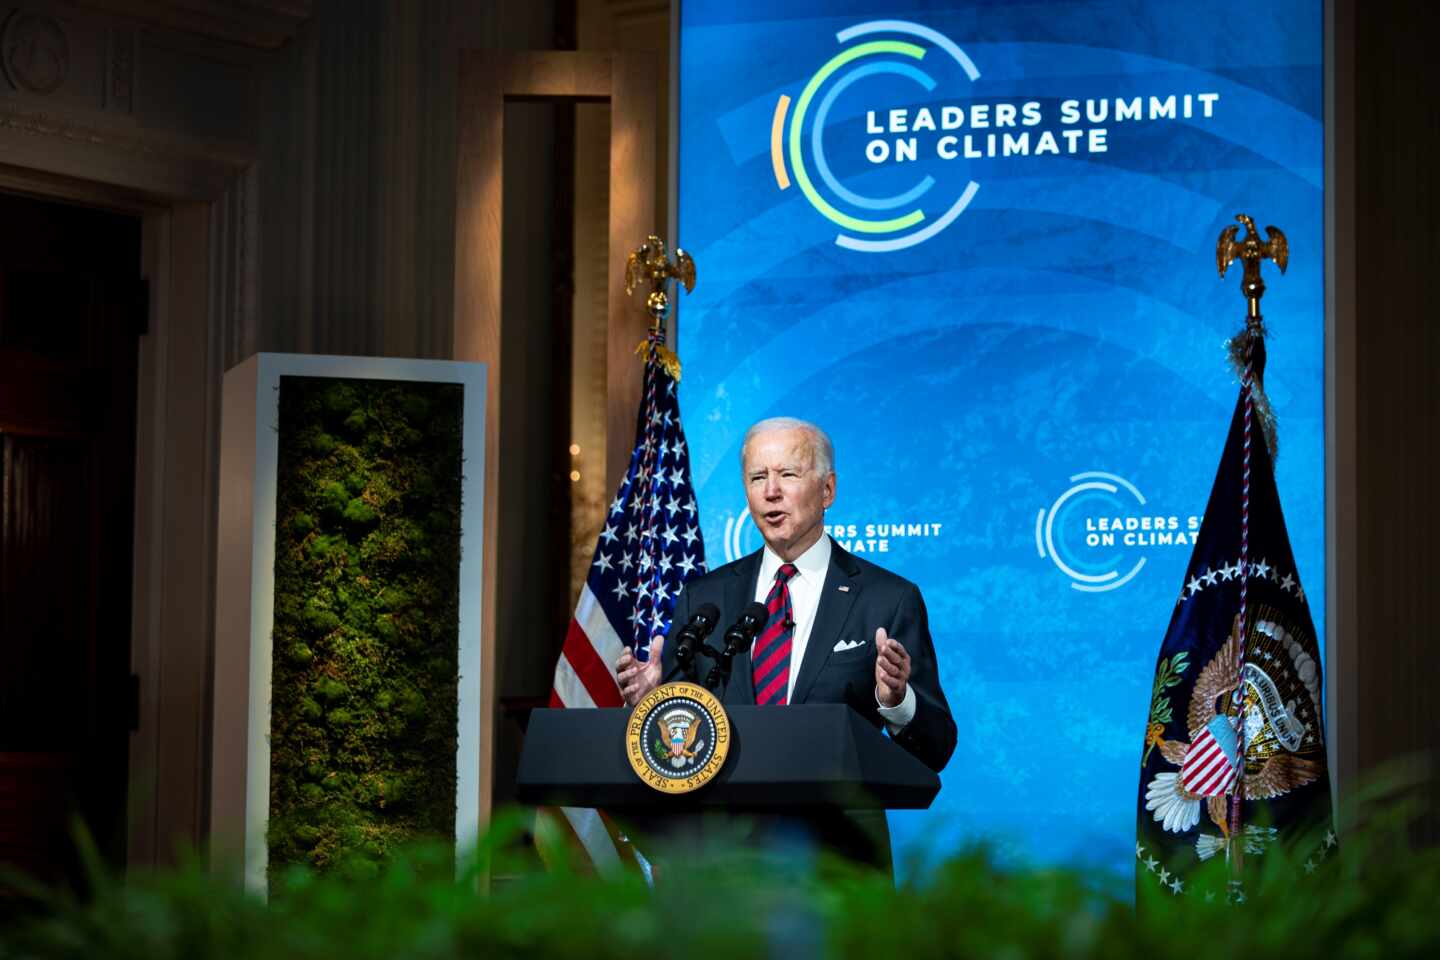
x=649 y=264
x=1250 y=249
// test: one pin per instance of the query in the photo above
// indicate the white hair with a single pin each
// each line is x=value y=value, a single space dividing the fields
x=822 y=452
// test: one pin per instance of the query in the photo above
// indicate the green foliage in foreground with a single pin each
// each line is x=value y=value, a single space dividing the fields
x=1372 y=900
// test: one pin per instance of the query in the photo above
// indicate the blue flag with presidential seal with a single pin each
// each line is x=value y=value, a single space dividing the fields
x=1234 y=755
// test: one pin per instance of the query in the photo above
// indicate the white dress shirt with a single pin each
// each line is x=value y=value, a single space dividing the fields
x=805 y=586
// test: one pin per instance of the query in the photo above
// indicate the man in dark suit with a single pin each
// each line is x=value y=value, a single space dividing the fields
x=841 y=630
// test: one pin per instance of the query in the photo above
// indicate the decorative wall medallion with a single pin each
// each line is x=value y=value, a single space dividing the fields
x=34 y=52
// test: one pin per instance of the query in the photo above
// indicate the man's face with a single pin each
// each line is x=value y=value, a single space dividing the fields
x=787 y=497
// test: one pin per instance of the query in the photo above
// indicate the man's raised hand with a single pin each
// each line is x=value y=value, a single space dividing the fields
x=892 y=669
x=636 y=679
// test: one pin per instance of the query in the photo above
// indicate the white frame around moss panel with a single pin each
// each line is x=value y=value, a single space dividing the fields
x=245 y=593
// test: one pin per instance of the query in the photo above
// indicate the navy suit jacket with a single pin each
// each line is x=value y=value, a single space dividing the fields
x=871 y=597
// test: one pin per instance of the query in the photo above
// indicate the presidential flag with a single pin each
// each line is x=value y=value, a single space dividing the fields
x=1234 y=755
x=649 y=547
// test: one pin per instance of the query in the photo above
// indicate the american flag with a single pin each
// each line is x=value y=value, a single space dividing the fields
x=650 y=546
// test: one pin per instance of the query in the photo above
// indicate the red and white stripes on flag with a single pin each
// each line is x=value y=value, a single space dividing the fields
x=1210 y=765
x=585 y=673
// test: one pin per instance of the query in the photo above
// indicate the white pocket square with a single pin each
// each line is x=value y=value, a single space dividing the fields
x=844 y=645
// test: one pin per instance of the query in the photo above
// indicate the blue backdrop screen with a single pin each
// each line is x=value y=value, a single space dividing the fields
x=975 y=242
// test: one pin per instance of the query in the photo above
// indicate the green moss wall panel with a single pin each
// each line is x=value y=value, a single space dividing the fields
x=367 y=563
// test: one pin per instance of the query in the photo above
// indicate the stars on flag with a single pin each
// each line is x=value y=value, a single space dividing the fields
x=1259 y=570
x=636 y=574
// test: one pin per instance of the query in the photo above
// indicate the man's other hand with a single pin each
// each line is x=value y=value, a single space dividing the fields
x=892 y=670
x=637 y=679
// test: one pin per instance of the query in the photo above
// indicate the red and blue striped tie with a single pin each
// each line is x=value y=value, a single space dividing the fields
x=771 y=657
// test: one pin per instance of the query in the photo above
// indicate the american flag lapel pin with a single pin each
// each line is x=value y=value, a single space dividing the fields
x=843 y=589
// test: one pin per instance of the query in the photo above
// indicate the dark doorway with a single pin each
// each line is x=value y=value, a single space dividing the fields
x=72 y=309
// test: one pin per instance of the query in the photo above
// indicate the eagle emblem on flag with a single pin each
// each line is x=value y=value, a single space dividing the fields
x=1276 y=737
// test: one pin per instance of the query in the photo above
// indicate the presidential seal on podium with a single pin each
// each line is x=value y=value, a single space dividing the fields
x=678 y=738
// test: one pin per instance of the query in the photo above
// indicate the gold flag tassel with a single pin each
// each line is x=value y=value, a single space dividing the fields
x=663 y=355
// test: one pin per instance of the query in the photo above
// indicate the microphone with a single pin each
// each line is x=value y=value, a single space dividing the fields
x=742 y=632
x=692 y=635
x=738 y=637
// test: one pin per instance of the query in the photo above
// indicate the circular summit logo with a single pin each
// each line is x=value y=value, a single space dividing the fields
x=1098 y=532
x=678 y=738
x=869 y=50
x=883 y=139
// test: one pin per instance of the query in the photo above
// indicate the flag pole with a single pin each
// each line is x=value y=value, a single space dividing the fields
x=650 y=264
x=1251 y=251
